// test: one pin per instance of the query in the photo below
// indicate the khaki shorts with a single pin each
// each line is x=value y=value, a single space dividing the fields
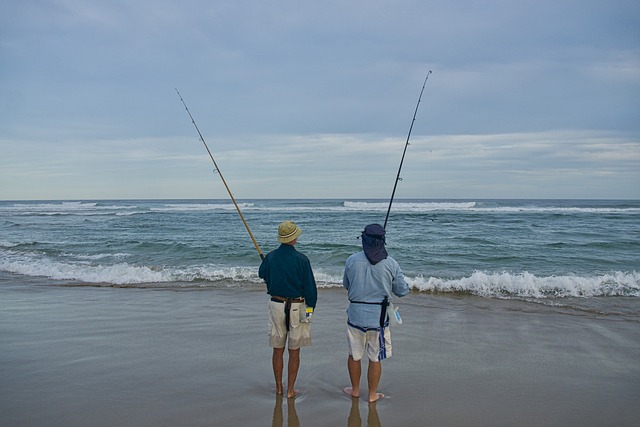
x=299 y=334
x=369 y=342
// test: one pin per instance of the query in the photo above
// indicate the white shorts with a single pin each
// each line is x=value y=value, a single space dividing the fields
x=369 y=341
x=299 y=334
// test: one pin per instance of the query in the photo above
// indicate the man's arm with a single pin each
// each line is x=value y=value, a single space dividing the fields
x=311 y=290
x=400 y=287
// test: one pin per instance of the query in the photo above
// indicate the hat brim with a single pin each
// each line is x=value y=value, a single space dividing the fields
x=291 y=237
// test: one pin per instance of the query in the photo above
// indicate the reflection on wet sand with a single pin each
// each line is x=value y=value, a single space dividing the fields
x=355 y=420
x=292 y=415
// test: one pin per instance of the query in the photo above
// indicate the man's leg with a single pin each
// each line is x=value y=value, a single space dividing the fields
x=374 y=372
x=294 y=364
x=354 y=375
x=277 y=361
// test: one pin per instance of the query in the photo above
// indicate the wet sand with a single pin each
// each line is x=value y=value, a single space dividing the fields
x=78 y=356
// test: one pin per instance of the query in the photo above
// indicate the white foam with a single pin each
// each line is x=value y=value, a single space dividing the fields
x=86 y=268
x=121 y=273
x=60 y=208
x=94 y=208
x=409 y=206
x=529 y=285
x=186 y=207
x=474 y=206
x=94 y=257
x=33 y=264
x=5 y=244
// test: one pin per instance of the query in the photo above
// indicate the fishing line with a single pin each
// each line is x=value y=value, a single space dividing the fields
x=217 y=170
x=405 y=151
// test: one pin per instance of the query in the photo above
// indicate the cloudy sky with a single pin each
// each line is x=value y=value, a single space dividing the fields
x=314 y=99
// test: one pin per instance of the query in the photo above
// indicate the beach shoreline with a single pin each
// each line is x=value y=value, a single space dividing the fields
x=104 y=356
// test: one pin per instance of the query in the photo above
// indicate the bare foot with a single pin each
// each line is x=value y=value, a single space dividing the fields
x=349 y=392
x=375 y=397
x=293 y=394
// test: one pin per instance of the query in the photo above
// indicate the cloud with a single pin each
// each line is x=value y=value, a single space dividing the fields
x=575 y=164
x=308 y=99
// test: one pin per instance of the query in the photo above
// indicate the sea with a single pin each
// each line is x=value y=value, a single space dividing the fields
x=579 y=255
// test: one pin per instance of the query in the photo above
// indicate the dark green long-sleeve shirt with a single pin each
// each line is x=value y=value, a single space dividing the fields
x=288 y=274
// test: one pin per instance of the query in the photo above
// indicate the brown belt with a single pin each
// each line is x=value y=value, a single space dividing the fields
x=281 y=299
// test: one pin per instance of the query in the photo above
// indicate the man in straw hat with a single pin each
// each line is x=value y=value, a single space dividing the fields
x=293 y=291
x=370 y=277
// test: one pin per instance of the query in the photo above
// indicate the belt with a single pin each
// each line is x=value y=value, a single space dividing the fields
x=281 y=299
x=287 y=307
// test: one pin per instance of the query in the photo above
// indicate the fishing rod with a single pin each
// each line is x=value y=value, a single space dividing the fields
x=405 y=151
x=217 y=170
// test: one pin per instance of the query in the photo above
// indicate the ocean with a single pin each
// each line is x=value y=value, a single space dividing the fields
x=151 y=313
x=579 y=254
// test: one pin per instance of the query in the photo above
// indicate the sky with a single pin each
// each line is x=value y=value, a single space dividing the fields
x=315 y=99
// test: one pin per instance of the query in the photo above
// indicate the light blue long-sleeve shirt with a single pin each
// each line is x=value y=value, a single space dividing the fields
x=365 y=282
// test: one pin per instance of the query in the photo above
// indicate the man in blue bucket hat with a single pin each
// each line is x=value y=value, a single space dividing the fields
x=370 y=278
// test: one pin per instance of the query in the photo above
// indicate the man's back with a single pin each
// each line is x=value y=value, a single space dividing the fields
x=288 y=274
x=368 y=283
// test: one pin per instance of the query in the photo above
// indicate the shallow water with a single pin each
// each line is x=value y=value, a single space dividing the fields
x=106 y=356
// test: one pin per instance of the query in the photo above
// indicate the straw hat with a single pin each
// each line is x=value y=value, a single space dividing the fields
x=288 y=231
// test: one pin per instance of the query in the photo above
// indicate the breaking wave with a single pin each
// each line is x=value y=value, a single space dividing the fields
x=485 y=284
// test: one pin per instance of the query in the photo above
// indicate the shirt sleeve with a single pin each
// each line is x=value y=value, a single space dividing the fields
x=310 y=288
x=400 y=287
x=345 y=277
x=263 y=272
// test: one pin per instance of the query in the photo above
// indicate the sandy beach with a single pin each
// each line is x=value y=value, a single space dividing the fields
x=102 y=356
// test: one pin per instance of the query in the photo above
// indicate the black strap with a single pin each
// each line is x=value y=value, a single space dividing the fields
x=287 y=312
x=287 y=309
x=383 y=309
